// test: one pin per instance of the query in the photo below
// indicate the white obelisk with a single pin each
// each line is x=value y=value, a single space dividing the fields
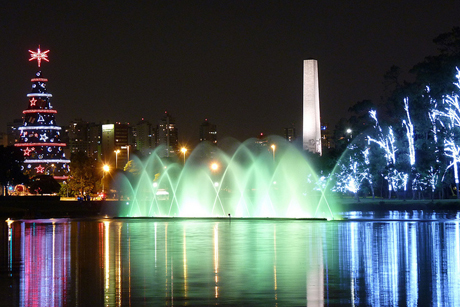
x=311 y=115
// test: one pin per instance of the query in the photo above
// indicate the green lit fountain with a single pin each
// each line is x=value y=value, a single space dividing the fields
x=253 y=180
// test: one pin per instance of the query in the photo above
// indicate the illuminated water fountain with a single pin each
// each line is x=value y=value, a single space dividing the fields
x=252 y=180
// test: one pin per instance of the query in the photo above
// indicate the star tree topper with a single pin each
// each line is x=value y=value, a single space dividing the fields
x=39 y=56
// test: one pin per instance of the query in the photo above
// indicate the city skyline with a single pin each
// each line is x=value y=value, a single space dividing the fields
x=239 y=64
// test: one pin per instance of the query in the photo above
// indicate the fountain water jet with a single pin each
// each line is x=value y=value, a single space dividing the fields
x=247 y=182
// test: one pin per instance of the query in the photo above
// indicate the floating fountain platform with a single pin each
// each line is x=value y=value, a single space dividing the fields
x=248 y=180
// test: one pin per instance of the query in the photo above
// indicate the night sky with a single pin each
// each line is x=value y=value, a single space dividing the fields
x=236 y=63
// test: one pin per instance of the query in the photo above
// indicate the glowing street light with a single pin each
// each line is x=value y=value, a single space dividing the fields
x=273 y=148
x=106 y=169
x=214 y=166
x=183 y=150
x=116 y=157
x=350 y=133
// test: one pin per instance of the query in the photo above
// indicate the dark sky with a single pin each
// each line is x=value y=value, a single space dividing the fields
x=237 y=63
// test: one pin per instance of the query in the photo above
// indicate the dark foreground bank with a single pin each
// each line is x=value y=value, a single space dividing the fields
x=31 y=207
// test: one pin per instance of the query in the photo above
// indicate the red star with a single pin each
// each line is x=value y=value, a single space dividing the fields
x=33 y=101
x=27 y=151
x=40 y=169
x=39 y=56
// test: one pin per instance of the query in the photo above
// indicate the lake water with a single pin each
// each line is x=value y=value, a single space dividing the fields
x=399 y=258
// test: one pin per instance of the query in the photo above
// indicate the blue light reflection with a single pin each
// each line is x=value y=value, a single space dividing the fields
x=258 y=262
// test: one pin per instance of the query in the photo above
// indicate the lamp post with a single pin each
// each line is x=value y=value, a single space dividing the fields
x=116 y=157
x=349 y=132
x=273 y=148
x=105 y=169
x=183 y=150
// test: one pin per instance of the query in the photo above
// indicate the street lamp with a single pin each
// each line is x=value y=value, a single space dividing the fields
x=105 y=169
x=349 y=132
x=116 y=157
x=273 y=148
x=183 y=150
x=214 y=166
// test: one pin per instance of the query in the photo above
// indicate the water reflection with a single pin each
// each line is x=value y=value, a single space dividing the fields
x=44 y=277
x=256 y=262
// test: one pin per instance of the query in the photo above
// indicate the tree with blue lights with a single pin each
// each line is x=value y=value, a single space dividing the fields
x=417 y=133
x=386 y=140
x=448 y=116
x=353 y=171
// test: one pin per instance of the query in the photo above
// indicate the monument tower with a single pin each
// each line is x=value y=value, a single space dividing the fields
x=311 y=115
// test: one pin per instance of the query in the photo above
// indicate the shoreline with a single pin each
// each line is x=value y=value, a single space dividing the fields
x=398 y=204
x=37 y=207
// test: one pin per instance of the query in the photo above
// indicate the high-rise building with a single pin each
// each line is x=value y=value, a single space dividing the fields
x=95 y=141
x=311 y=111
x=115 y=144
x=144 y=137
x=107 y=142
x=167 y=135
x=289 y=134
x=123 y=142
x=326 y=137
x=208 y=132
x=85 y=137
x=77 y=133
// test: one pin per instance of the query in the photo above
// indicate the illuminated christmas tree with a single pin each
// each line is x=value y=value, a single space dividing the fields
x=40 y=139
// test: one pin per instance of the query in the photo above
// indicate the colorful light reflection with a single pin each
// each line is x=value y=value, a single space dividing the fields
x=379 y=263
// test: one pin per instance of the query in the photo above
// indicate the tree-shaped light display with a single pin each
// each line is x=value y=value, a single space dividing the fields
x=40 y=139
